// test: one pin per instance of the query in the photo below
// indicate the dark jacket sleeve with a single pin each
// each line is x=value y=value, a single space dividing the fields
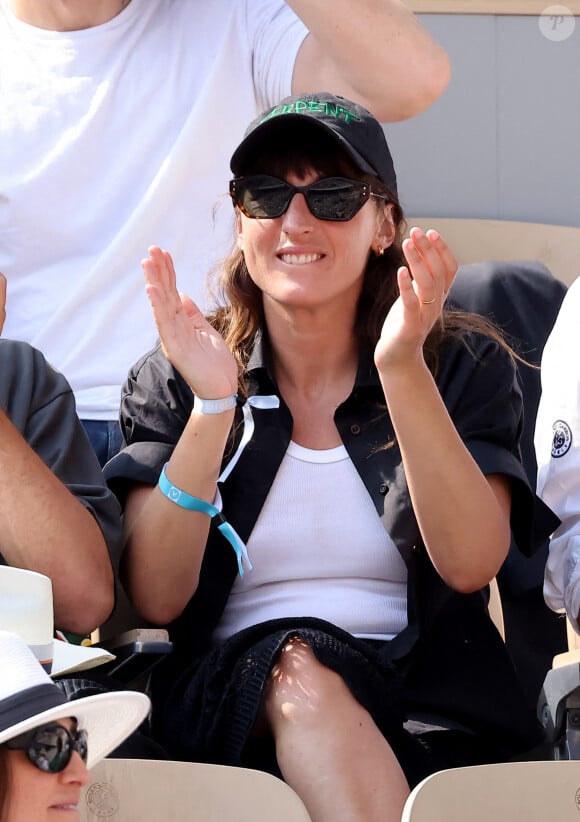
x=155 y=405
x=481 y=391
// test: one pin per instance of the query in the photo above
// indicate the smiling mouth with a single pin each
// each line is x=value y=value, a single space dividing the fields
x=299 y=259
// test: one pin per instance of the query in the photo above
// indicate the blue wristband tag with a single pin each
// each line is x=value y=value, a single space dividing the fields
x=191 y=503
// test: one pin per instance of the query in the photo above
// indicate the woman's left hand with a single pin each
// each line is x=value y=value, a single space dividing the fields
x=423 y=284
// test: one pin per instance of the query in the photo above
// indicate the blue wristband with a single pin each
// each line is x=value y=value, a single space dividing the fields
x=182 y=498
x=191 y=503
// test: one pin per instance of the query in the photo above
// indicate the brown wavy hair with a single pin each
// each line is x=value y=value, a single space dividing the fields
x=240 y=313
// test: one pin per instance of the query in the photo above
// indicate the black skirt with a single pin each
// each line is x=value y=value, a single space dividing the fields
x=209 y=713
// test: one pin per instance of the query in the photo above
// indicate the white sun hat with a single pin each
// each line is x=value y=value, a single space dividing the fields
x=26 y=608
x=29 y=698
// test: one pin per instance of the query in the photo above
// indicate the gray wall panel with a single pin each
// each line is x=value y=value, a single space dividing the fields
x=503 y=141
x=538 y=124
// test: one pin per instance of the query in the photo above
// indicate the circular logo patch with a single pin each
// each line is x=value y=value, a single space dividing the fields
x=102 y=800
x=562 y=438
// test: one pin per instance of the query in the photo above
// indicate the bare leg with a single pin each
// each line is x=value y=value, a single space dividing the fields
x=327 y=745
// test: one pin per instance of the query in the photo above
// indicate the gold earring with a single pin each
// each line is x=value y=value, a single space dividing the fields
x=380 y=251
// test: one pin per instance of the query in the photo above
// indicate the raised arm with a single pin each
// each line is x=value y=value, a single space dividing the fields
x=164 y=542
x=373 y=51
x=464 y=517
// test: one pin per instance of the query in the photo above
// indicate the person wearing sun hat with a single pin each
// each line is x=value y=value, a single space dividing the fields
x=47 y=742
x=26 y=609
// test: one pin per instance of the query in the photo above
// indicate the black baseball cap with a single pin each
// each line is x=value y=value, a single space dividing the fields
x=350 y=125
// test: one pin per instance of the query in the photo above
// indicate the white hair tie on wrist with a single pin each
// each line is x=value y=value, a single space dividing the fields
x=214 y=406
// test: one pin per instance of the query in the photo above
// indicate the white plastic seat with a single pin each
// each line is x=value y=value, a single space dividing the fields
x=508 y=792
x=141 y=790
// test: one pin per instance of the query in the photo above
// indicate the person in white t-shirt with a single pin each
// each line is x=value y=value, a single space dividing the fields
x=116 y=122
x=557 y=443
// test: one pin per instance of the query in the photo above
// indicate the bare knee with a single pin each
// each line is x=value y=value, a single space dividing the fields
x=300 y=689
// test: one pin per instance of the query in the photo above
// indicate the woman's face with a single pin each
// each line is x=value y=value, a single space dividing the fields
x=301 y=262
x=39 y=796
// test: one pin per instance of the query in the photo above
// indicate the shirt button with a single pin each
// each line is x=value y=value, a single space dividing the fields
x=355 y=429
x=383 y=488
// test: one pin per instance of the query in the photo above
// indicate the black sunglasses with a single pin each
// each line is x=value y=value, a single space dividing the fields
x=50 y=747
x=262 y=196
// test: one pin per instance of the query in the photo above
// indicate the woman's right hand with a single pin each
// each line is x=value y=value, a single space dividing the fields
x=189 y=342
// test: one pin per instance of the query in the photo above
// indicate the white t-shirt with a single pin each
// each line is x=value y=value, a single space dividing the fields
x=319 y=549
x=557 y=444
x=115 y=138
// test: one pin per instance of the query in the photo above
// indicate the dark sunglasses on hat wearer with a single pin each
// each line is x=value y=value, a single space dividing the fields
x=50 y=747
